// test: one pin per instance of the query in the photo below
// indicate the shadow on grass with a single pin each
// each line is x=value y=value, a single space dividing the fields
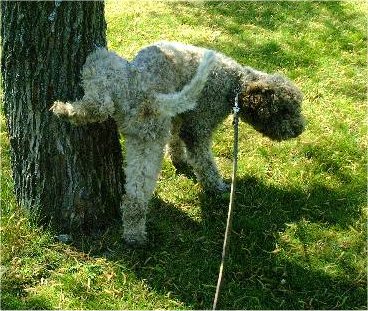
x=254 y=273
x=183 y=256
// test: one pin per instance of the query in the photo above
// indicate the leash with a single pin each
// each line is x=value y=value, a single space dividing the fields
x=225 y=246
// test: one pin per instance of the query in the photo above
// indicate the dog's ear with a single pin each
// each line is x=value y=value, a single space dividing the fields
x=258 y=98
x=258 y=95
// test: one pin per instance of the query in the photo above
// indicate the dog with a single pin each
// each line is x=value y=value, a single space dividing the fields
x=176 y=95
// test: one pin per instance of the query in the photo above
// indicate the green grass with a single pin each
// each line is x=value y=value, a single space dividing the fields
x=299 y=232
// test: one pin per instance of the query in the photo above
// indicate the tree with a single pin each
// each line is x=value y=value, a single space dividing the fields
x=69 y=176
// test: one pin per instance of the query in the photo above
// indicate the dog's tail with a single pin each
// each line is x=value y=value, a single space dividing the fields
x=175 y=103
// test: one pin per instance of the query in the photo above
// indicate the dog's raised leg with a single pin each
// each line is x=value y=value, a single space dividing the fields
x=89 y=109
x=143 y=160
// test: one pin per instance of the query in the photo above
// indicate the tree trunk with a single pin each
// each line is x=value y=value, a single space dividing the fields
x=69 y=176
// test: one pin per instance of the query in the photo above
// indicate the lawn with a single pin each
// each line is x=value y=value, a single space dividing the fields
x=300 y=223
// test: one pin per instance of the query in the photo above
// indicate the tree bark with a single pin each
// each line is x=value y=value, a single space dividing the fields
x=69 y=176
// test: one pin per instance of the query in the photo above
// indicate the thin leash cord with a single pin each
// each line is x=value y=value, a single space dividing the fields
x=226 y=243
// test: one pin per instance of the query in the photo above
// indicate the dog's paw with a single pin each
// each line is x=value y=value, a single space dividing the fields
x=219 y=188
x=58 y=108
x=133 y=242
x=62 y=110
x=135 y=238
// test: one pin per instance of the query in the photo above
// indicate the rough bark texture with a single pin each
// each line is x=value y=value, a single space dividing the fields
x=67 y=175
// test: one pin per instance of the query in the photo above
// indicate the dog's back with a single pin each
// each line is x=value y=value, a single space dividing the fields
x=174 y=64
x=166 y=67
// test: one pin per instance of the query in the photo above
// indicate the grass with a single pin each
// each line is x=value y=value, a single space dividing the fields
x=299 y=233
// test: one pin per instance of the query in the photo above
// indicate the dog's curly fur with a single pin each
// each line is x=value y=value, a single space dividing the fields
x=185 y=90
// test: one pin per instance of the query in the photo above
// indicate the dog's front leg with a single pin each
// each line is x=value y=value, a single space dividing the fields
x=143 y=160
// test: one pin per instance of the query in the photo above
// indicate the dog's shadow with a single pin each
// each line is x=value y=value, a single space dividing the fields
x=184 y=252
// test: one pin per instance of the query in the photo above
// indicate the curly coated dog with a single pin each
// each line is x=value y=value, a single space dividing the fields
x=185 y=91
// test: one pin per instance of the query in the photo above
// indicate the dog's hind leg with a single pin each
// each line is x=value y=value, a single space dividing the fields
x=200 y=157
x=144 y=160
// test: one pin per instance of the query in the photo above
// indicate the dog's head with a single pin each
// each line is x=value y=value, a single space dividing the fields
x=272 y=105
